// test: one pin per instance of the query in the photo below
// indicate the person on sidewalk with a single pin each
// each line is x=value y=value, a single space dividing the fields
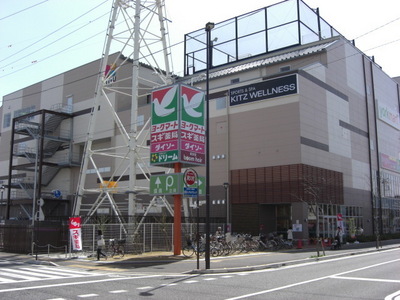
x=290 y=234
x=100 y=244
x=339 y=237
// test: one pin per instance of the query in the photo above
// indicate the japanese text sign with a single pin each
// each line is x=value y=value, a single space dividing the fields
x=177 y=127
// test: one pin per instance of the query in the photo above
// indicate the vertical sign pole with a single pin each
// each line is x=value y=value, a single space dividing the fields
x=198 y=224
x=209 y=27
x=177 y=216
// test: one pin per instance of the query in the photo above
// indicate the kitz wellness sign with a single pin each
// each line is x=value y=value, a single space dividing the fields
x=268 y=89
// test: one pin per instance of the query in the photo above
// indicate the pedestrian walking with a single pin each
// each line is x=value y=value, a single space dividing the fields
x=100 y=244
x=339 y=237
x=290 y=234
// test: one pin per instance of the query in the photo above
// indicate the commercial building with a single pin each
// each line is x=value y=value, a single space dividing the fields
x=303 y=127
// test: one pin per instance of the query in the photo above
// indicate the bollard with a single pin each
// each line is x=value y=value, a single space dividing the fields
x=299 y=244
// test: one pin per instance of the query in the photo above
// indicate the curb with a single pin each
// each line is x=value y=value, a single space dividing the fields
x=42 y=262
x=287 y=263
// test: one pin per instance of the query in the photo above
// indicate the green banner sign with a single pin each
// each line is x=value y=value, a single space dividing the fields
x=177 y=132
x=172 y=184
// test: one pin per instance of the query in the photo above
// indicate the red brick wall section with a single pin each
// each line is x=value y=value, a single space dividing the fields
x=286 y=184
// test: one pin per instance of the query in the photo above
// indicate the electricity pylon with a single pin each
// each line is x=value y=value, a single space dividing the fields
x=139 y=28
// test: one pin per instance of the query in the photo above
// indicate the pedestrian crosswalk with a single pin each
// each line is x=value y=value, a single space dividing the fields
x=36 y=273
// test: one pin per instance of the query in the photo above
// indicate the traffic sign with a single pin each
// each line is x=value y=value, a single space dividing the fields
x=190 y=191
x=172 y=184
x=189 y=177
x=168 y=184
x=57 y=194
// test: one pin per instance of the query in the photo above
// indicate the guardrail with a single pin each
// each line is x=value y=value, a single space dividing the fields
x=36 y=247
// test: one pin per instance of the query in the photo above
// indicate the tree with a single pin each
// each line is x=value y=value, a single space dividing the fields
x=313 y=191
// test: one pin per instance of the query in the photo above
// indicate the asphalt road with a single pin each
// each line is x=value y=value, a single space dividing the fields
x=367 y=275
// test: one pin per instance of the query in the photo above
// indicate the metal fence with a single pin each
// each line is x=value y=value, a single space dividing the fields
x=150 y=236
x=49 y=237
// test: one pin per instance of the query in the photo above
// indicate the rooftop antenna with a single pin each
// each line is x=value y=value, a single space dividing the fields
x=139 y=29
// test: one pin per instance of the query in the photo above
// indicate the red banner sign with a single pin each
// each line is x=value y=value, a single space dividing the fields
x=75 y=232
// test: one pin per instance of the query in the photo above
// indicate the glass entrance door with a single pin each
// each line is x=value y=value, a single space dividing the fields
x=329 y=226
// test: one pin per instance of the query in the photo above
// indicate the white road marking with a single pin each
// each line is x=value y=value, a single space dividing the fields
x=394 y=296
x=75 y=283
x=5 y=280
x=366 y=279
x=144 y=288
x=26 y=274
x=32 y=272
x=303 y=264
x=118 y=291
x=190 y=281
x=309 y=281
x=41 y=271
x=20 y=276
x=208 y=279
x=87 y=295
x=66 y=271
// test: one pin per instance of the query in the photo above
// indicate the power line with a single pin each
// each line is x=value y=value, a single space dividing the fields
x=46 y=36
x=51 y=43
x=377 y=28
x=178 y=43
x=52 y=55
x=13 y=14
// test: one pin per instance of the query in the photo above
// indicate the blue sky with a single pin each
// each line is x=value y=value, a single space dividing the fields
x=42 y=38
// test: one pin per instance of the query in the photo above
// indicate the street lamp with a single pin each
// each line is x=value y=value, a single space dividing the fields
x=208 y=28
x=228 y=207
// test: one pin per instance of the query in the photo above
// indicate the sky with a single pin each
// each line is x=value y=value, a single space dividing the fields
x=43 y=38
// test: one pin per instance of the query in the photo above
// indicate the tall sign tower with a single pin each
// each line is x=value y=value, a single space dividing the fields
x=178 y=140
x=138 y=30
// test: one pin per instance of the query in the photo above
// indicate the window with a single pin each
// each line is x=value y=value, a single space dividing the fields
x=220 y=103
x=140 y=120
x=23 y=111
x=7 y=120
x=70 y=103
x=101 y=170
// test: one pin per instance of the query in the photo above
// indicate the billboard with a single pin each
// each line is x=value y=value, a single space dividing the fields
x=264 y=90
x=177 y=131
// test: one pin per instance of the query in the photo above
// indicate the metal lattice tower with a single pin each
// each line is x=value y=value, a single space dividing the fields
x=139 y=28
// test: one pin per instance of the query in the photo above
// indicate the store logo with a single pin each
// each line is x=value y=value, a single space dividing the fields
x=389 y=116
x=192 y=105
x=164 y=104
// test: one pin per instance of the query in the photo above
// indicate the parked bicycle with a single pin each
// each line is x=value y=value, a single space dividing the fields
x=220 y=245
x=283 y=244
x=191 y=247
x=266 y=244
x=117 y=247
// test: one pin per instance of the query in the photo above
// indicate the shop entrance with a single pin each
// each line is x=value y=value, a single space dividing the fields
x=329 y=224
x=276 y=218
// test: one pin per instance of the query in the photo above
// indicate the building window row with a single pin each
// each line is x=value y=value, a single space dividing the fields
x=17 y=113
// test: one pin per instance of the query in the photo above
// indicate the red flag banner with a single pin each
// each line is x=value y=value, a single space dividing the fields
x=75 y=232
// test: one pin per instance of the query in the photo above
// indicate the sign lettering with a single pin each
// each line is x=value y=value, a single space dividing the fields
x=268 y=89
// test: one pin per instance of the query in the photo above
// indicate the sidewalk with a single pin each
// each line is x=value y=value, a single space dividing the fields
x=167 y=263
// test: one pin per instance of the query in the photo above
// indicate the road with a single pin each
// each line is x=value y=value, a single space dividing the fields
x=372 y=275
